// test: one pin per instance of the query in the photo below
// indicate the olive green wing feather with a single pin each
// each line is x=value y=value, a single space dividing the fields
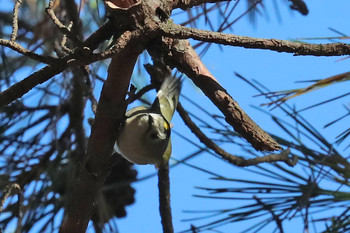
x=168 y=97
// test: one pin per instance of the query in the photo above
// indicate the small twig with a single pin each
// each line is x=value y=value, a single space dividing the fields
x=15 y=20
x=22 y=87
x=141 y=92
x=193 y=229
x=60 y=26
x=9 y=190
x=18 y=48
x=233 y=159
x=8 y=19
x=164 y=198
x=64 y=40
x=58 y=49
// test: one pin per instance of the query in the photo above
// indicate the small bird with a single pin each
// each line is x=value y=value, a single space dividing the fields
x=144 y=136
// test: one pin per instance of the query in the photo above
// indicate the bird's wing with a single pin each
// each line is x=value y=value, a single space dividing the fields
x=167 y=97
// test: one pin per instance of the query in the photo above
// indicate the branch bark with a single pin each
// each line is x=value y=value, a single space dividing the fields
x=164 y=198
x=180 y=32
x=181 y=55
x=99 y=160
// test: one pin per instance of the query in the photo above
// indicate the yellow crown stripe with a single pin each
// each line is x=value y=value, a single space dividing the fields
x=166 y=125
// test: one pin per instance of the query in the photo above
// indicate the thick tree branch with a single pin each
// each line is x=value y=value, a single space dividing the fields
x=99 y=160
x=181 y=55
x=233 y=159
x=76 y=114
x=110 y=113
x=180 y=32
x=164 y=198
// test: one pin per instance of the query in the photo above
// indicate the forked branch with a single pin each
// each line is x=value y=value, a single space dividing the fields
x=180 y=54
x=233 y=159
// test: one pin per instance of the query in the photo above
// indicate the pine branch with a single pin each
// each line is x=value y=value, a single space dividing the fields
x=233 y=159
x=186 y=60
x=180 y=32
x=99 y=160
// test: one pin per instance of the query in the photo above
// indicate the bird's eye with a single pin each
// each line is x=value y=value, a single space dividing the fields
x=154 y=135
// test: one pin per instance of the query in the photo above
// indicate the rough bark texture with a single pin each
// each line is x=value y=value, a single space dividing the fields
x=177 y=31
x=182 y=56
x=164 y=198
x=110 y=111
